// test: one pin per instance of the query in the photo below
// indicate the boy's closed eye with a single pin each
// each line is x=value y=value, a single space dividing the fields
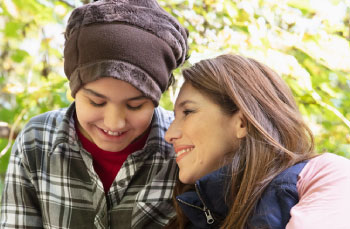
x=96 y=104
x=134 y=106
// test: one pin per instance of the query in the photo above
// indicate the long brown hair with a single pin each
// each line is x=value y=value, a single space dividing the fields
x=277 y=136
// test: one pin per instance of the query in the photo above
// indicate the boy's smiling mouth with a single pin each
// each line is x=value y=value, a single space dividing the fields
x=117 y=133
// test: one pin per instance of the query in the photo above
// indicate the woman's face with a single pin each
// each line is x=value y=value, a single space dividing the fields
x=112 y=113
x=202 y=134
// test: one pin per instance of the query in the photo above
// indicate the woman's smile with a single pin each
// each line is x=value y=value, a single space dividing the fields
x=182 y=151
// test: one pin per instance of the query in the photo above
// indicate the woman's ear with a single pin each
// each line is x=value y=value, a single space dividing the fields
x=240 y=125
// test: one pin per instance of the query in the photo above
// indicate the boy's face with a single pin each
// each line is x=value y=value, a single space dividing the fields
x=112 y=113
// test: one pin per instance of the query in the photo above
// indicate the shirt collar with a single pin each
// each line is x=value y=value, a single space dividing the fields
x=65 y=132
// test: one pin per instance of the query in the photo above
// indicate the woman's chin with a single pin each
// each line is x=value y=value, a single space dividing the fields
x=186 y=180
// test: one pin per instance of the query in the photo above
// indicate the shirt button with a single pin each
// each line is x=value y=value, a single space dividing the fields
x=121 y=183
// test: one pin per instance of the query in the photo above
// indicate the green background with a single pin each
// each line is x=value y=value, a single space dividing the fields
x=305 y=41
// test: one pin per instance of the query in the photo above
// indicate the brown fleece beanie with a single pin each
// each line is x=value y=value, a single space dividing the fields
x=131 y=40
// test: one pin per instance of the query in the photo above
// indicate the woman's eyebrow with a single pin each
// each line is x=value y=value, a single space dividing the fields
x=183 y=103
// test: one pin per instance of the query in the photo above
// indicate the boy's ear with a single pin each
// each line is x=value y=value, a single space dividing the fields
x=240 y=125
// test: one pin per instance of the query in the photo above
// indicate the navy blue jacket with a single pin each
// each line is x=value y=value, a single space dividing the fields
x=205 y=206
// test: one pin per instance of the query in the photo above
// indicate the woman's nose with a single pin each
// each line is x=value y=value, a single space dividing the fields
x=173 y=133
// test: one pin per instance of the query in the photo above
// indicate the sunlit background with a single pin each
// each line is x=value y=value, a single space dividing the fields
x=306 y=42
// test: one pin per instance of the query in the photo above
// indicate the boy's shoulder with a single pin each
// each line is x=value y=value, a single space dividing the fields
x=48 y=117
x=163 y=117
x=52 y=118
x=45 y=131
x=50 y=123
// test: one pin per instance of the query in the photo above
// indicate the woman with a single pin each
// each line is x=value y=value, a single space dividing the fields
x=245 y=156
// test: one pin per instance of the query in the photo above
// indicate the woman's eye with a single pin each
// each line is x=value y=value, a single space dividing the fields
x=134 y=107
x=97 y=104
x=187 y=112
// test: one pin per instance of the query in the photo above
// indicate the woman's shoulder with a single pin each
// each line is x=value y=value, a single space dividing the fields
x=327 y=168
x=323 y=188
x=327 y=159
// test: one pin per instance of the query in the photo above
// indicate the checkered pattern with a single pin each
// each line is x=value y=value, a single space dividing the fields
x=51 y=182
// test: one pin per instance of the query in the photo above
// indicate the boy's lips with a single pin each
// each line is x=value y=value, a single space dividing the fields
x=112 y=134
x=117 y=133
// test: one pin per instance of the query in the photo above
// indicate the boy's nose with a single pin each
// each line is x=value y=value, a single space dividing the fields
x=114 y=119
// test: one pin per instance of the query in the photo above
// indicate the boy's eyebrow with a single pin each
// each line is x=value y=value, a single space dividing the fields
x=94 y=93
x=138 y=98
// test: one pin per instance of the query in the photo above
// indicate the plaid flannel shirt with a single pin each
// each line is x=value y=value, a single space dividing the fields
x=51 y=182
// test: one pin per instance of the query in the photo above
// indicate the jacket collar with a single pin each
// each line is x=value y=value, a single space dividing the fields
x=209 y=193
x=207 y=200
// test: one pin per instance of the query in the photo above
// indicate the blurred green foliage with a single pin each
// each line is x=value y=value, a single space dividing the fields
x=305 y=41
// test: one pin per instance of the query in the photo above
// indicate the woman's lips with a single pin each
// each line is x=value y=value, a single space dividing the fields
x=182 y=151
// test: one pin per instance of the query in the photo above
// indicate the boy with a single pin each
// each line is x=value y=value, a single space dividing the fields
x=103 y=161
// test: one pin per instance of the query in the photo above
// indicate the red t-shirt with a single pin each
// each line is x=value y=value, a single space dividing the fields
x=107 y=164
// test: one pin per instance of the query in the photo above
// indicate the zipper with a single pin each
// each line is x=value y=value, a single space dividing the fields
x=210 y=219
x=191 y=205
x=207 y=213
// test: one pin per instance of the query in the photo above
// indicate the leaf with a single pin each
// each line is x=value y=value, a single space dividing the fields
x=6 y=115
x=19 y=55
x=165 y=101
x=12 y=29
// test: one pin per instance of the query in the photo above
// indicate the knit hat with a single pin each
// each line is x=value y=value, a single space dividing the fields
x=131 y=40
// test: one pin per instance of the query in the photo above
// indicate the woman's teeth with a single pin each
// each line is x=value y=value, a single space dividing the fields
x=183 y=151
x=112 y=133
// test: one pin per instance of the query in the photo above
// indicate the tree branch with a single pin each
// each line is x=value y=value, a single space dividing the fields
x=4 y=130
x=67 y=3
x=12 y=133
